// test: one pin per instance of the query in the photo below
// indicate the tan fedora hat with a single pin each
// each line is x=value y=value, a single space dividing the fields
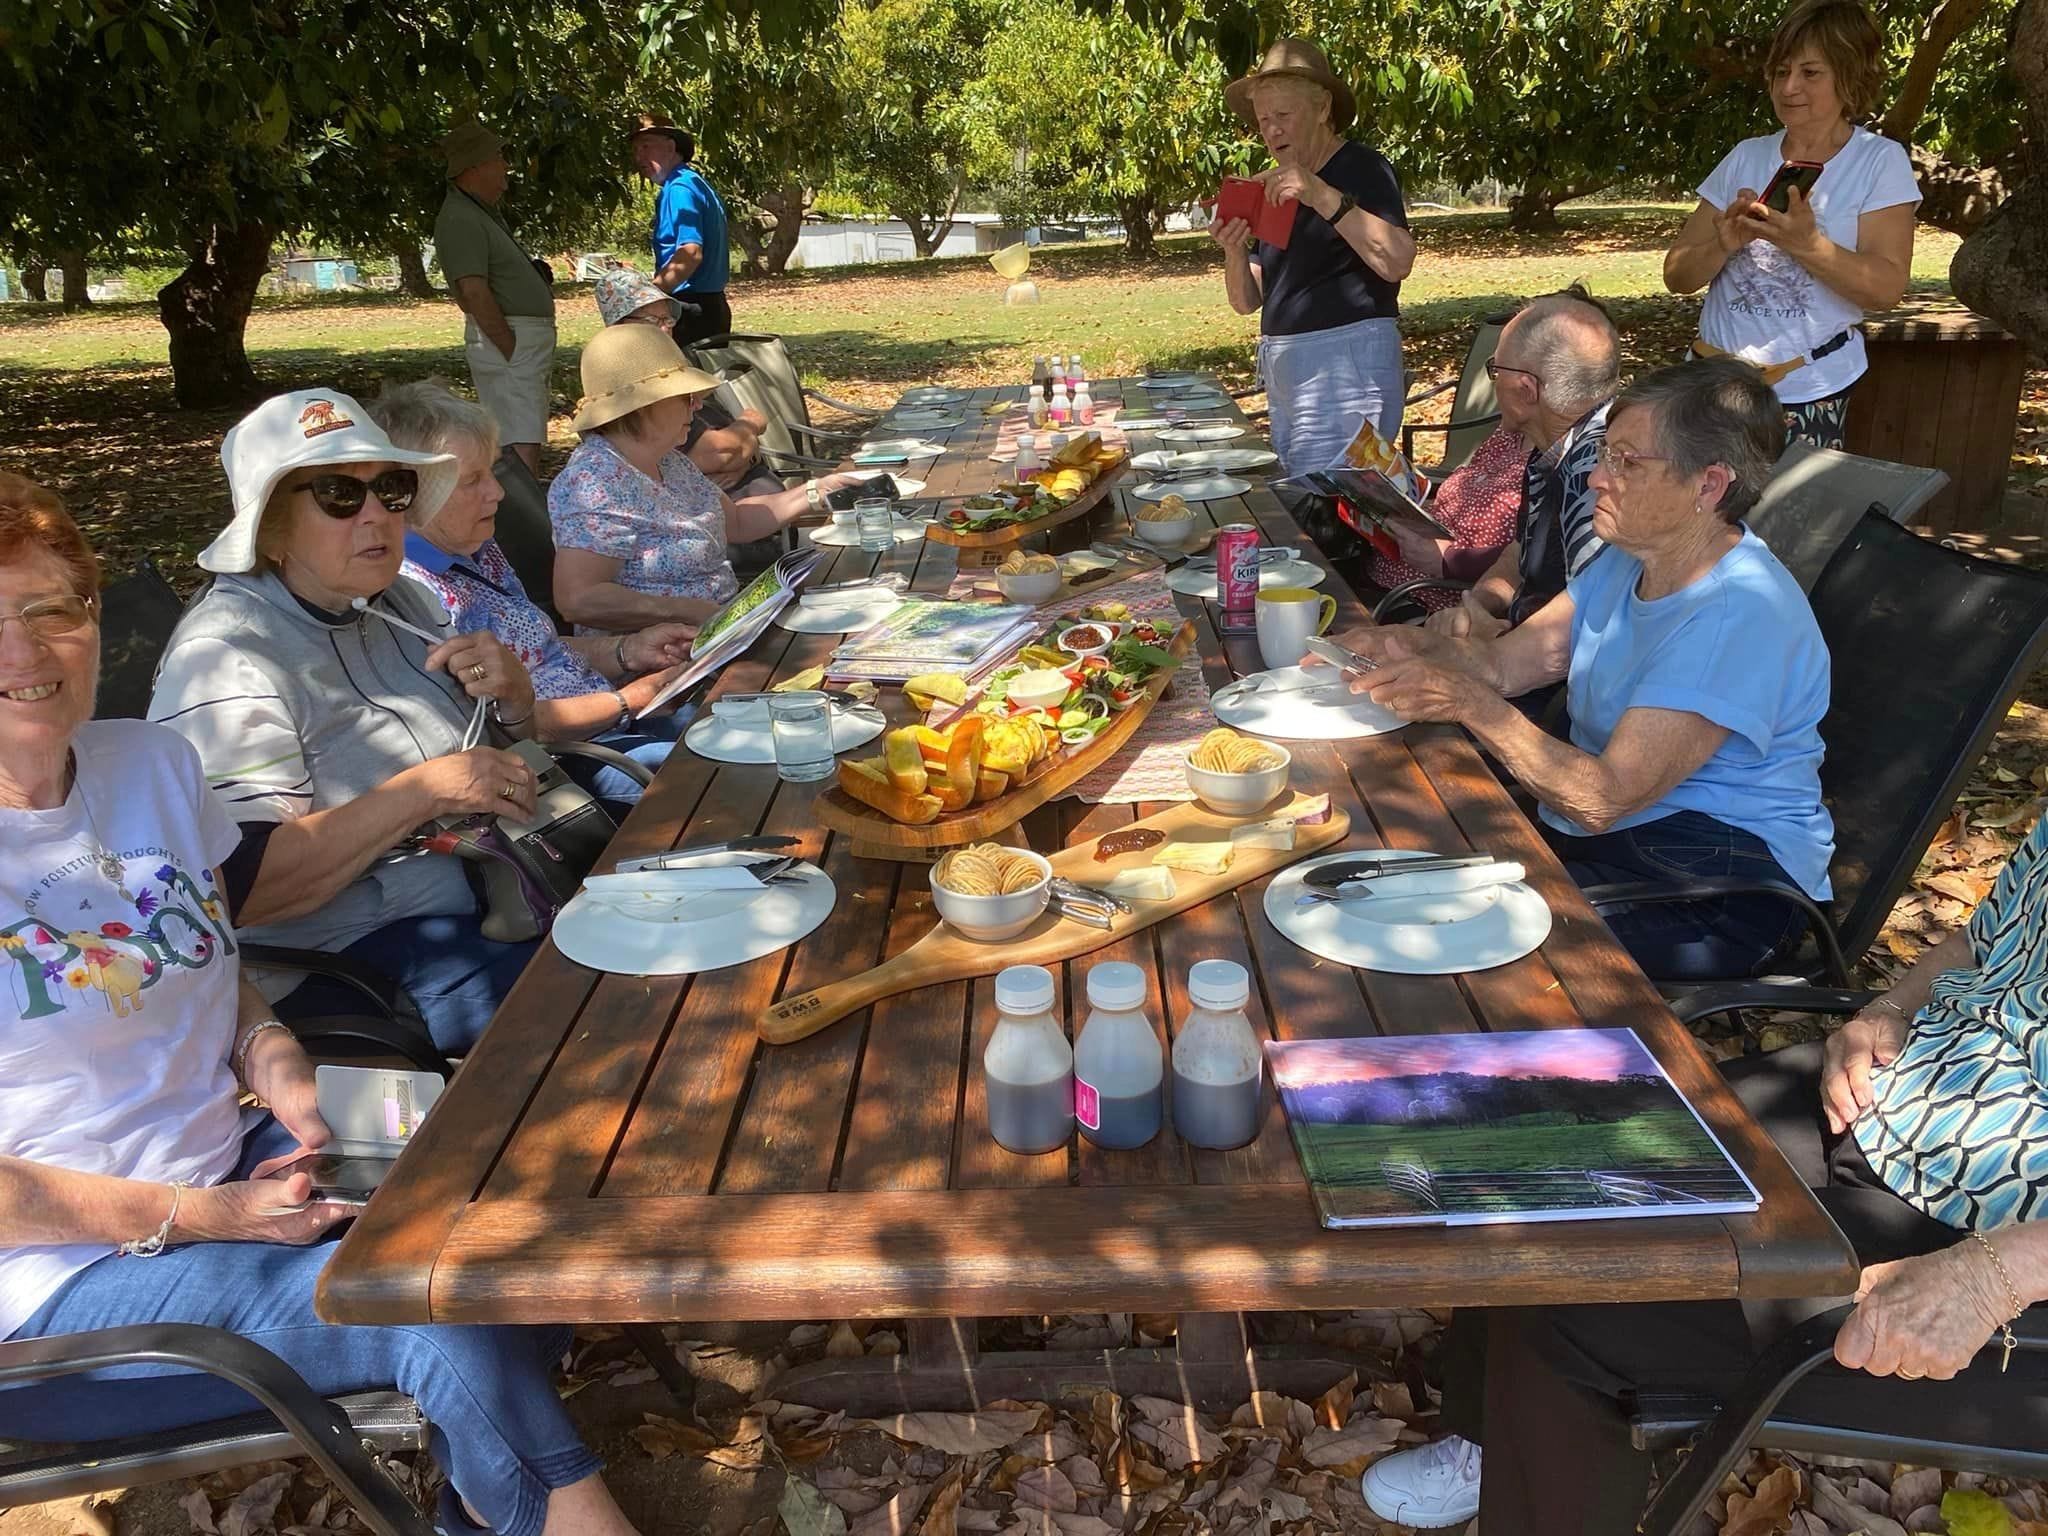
x=628 y=366
x=1294 y=58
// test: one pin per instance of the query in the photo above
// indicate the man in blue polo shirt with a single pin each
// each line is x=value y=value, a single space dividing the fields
x=690 y=260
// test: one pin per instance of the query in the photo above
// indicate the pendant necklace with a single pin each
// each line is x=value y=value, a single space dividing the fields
x=104 y=859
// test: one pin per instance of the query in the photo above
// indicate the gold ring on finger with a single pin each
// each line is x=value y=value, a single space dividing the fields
x=1906 y=1375
x=509 y=792
x=477 y=672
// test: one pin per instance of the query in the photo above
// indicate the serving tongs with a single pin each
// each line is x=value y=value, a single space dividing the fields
x=1086 y=905
x=1342 y=872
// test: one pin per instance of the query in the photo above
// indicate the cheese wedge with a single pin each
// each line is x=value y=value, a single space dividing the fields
x=1263 y=834
x=1201 y=858
x=1150 y=884
x=1308 y=810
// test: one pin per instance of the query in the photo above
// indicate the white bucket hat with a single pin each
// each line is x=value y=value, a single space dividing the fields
x=296 y=431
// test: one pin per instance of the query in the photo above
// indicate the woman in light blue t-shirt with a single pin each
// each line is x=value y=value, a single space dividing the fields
x=1697 y=680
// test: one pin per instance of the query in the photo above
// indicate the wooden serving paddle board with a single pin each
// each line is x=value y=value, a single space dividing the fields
x=976 y=548
x=944 y=955
x=840 y=812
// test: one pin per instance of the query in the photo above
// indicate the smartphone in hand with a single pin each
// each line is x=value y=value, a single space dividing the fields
x=337 y=1179
x=1793 y=173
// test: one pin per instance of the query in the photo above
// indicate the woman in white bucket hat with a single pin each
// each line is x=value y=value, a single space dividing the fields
x=332 y=728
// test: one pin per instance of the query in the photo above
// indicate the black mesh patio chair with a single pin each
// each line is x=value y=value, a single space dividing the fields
x=1817 y=496
x=340 y=1434
x=1666 y=1420
x=1929 y=648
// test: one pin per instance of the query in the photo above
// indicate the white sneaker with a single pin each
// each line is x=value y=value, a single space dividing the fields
x=1433 y=1485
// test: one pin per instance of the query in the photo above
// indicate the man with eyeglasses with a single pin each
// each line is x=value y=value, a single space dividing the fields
x=1554 y=374
x=506 y=294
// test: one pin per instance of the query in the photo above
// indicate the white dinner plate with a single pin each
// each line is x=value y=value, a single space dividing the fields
x=747 y=741
x=654 y=895
x=908 y=447
x=598 y=935
x=926 y=421
x=1221 y=432
x=1329 y=714
x=1198 y=488
x=838 y=618
x=1192 y=582
x=1510 y=926
x=831 y=536
x=1198 y=400
x=1170 y=379
x=1229 y=460
x=931 y=394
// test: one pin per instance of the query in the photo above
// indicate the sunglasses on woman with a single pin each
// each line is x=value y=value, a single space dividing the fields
x=51 y=618
x=342 y=496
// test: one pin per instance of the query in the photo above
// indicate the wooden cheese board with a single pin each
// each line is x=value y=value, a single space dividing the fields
x=944 y=955
x=978 y=551
x=875 y=834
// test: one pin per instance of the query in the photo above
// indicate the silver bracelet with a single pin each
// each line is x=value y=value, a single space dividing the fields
x=1886 y=1002
x=149 y=1247
x=242 y=1050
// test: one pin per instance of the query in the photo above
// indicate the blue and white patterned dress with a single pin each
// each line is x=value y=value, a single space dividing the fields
x=1959 y=1127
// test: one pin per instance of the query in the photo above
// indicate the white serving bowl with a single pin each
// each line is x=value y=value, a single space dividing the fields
x=1040 y=688
x=1239 y=794
x=1032 y=587
x=988 y=919
x=1103 y=627
x=1167 y=533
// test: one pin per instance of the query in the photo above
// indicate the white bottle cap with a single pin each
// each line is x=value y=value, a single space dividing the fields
x=1026 y=440
x=1217 y=984
x=1024 y=989
x=1116 y=984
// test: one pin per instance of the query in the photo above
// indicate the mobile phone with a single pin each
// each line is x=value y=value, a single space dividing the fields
x=1337 y=656
x=1793 y=173
x=847 y=495
x=337 y=1179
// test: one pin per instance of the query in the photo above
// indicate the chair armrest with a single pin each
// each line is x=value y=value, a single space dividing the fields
x=814 y=436
x=611 y=757
x=864 y=412
x=392 y=1019
x=1786 y=997
x=1430 y=393
x=1646 y=893
x=318 y=1425
x=1421 y=584
x=799 y=462
x=1446 y=427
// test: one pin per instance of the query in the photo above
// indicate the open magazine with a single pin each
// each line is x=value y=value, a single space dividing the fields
x=1374 y=499
x=1462 y=1130
x=739 y=623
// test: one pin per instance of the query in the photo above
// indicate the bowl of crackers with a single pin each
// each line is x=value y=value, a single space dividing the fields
x=1166 y=522
x=1235 y=774
x=988 y=892
x=1028 y=578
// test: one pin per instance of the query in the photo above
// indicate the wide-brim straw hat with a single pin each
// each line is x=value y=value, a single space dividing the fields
x=626 y=367
x=297 y=431
x=1294 y=58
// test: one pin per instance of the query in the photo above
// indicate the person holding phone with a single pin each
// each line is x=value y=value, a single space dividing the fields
x=1799 y=234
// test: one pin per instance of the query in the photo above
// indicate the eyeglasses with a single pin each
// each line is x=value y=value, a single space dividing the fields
x=1495 y=368
x=342 y=496
x=1620 y=463
x=52 y=618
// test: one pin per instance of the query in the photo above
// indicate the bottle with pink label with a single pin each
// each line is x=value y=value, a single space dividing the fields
x=1084 y=404
x=1119 y=1067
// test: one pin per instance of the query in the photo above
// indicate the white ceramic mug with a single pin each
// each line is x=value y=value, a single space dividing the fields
x=1287 y=616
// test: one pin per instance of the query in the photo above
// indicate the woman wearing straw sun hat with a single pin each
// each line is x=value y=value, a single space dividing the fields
x=335 y=711
x=1329 y=346
x=641 y=536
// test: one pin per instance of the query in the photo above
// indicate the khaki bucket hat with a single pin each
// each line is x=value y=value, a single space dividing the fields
x=628 y=366
x=1294 y=58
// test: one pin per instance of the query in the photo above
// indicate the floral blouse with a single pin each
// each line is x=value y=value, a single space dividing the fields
x=482 y=591
x=669 y=535
x=1477 y=502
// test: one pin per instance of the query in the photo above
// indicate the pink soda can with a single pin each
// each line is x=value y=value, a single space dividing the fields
x=1237 y=569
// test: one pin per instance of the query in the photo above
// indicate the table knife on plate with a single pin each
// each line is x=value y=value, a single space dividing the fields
x=679 y=858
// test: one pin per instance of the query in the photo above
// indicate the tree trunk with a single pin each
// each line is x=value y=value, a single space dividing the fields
x=72 y=265
x=925 y=234
x=1534 y=206
x=2002 y=269
x=206 y=310
x=1951 y=19
x=412 y=273
x=1136 y=213
x=786 y=203
x=35 y=282
x=1957 y=198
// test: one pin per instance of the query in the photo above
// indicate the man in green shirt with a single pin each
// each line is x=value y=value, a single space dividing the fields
x=506 y=295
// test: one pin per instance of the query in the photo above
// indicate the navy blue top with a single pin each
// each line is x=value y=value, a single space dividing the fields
x=1319 y=282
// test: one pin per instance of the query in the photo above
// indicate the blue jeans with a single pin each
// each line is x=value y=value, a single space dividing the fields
x=1320 y=385
x=456 y=975
x=1725 y=936
x=498 y=1428
x=647 y=742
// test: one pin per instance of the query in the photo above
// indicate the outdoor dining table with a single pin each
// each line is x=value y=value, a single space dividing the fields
x=626 y=1149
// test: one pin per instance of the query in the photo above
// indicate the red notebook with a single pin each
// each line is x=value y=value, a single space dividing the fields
x=1243 y=198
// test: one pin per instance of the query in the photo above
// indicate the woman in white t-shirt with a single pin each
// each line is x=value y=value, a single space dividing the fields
x=1788 y=290
x=131 y=1179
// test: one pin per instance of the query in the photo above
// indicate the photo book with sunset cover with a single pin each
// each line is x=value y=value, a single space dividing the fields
x=1461 y=1130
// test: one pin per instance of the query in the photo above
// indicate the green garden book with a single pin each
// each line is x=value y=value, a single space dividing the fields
x=1466 y=1130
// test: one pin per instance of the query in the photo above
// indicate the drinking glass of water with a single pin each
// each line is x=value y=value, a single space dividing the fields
x=876 y=518
x=801 y=726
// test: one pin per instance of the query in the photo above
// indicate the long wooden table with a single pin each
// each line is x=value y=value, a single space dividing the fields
x=624 y=1149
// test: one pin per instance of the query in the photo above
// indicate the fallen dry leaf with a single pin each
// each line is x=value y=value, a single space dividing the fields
x=958 y=1434
x=806 y=1512
x=1393 y=1400
x=199 y=1510
x=1832 y=1503
x=1912 y=1489
x=1047 y=1488
x=1269 y=1410
x=662 y=1437
x=254 y=1509
x=895 y=1517
x=1349 y=1450
x=844 y=1343
x=942 y=1515
x=1334 y=1406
